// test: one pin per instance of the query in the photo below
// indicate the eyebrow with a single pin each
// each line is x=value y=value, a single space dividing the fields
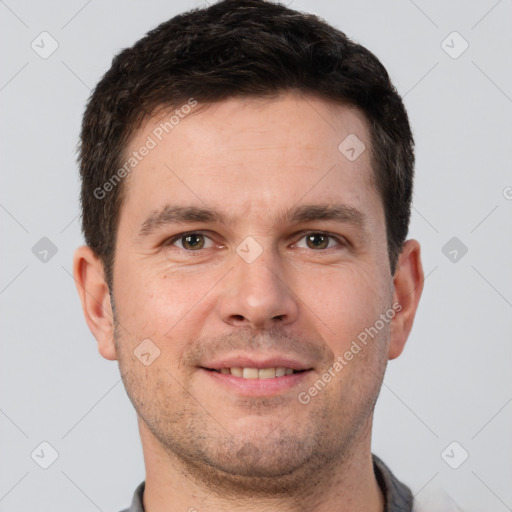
x=169 y=215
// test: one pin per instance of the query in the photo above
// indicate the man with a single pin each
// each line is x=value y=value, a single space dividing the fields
x=246 y=187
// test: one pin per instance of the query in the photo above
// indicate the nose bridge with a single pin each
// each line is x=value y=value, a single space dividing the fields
x=261 y=278
x=257 y=294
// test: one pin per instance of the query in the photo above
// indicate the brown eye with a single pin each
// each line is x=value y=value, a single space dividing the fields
x=192 y=241
x=317 y=241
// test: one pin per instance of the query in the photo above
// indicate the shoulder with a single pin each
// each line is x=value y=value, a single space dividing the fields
x=136 y=505
x=398 y=496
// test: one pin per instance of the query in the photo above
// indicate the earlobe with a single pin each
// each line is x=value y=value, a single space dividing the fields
x=94 y=295
x=408 y=285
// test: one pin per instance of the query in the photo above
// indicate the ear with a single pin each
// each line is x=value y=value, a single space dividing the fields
x=408 y=285
x=94 y=295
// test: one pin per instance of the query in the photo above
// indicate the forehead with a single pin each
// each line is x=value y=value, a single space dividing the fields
x=250 y=154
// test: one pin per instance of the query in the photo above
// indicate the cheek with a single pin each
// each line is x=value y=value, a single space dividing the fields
x=343 y=302
x=162 y=306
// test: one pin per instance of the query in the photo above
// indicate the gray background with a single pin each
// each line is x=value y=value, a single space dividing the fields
x=452 y=383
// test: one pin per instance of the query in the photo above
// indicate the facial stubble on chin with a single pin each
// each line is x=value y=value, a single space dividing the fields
x=282 y=462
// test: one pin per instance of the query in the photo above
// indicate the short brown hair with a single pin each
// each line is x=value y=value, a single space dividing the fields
x=239 y=48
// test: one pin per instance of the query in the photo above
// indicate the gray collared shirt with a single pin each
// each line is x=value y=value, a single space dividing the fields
x=398 y=496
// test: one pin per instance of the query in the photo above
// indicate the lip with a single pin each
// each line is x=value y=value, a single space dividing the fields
x=256 y=387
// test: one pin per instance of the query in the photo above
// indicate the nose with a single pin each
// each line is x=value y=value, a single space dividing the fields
x=257 y=295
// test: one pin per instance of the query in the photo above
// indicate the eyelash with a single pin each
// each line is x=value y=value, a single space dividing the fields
x=340 y=240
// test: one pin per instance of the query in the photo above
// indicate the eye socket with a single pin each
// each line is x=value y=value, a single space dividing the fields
x=319 y=241
x=191 y=241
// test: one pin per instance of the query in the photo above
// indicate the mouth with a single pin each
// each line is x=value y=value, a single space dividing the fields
x=251 y=376
x=256 y=373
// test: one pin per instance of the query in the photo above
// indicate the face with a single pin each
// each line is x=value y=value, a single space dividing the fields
x=248 y=242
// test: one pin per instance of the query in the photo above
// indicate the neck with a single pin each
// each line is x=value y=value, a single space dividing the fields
x=173 y=486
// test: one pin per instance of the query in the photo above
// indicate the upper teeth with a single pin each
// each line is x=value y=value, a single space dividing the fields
x=257 y=373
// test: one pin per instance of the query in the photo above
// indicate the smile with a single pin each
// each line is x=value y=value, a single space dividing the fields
x=257 y=373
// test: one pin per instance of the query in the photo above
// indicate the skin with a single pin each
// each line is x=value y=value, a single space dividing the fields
x=207 y=445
